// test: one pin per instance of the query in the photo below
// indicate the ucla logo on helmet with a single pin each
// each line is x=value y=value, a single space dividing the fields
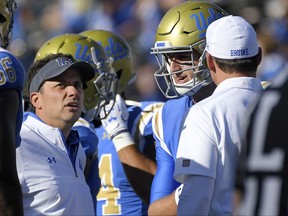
x=115 y=49
x=214 y=15
x=83 y=53
x=202 y=23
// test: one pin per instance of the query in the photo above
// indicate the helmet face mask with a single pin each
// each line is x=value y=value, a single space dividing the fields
x=106 y=87
x=7 y=9
x=105 y=84
x=182 y=30
x=102 y=88
x=191 y=64
x=118 y=49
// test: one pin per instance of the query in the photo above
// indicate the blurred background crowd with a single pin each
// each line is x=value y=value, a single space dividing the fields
x=136 y=21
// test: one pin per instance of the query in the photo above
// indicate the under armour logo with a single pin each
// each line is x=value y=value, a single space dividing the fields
x=51 y=159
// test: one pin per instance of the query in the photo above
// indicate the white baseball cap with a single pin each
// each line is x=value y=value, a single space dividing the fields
x=231 y=37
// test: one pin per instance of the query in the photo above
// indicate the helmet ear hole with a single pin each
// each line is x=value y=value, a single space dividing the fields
x=2 y=19
x=119 y=73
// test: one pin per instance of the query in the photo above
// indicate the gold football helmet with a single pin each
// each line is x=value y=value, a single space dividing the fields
x=102 y=88
x=117 y=48
x=183 y=30
x=7 y=9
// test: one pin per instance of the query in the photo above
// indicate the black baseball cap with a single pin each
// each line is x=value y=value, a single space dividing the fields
x=57 y=66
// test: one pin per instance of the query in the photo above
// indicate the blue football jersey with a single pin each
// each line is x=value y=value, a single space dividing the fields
x=116 y=196
x=167 y=126
x=12 y=76
x=89 y=142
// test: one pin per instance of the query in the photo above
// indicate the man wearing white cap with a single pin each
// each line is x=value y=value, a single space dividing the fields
x=210 y=141
x=50 y=159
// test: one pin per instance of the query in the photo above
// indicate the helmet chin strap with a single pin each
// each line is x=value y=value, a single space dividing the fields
x=194 y=90
x=188 y=89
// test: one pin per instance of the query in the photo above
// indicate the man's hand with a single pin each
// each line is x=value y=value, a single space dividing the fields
x=115 y=123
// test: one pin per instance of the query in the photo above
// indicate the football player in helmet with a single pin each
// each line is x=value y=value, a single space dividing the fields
x=118 y=159
x=182 y=44
x=179 y=45
x=11 y=112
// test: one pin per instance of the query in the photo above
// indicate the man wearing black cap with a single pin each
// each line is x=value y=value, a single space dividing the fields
x=50 y=160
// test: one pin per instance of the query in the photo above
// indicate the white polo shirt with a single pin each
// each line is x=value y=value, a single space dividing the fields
x=50 y=184
x=210 y=141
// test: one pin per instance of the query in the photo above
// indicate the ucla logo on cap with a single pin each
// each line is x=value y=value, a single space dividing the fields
x=63 y=61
